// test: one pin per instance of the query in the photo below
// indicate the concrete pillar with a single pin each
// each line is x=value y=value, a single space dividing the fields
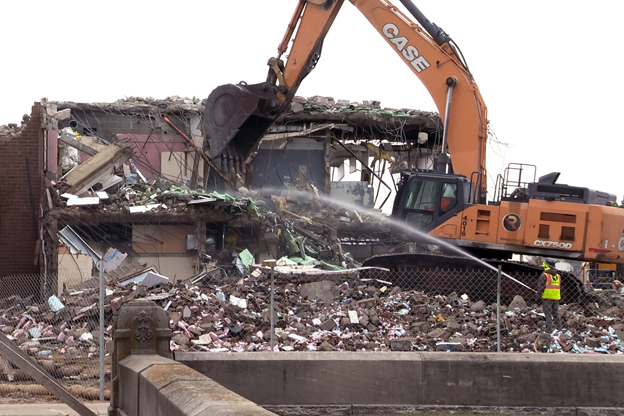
x=139 y=327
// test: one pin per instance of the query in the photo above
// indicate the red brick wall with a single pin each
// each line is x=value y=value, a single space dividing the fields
x=18 y=234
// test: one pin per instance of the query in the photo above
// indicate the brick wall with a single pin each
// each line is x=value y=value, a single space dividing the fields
x=18 y=229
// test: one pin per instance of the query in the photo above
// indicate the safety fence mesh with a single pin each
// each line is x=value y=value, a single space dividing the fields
x=55 y=320
x=445 y=309
x=302 y=308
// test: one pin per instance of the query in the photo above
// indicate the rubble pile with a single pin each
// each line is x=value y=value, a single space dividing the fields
x=359 y=316
x=63 y=342
x=11 y=131
x=140 y=104
x=329 y=104
x=157 y=196
x=319 y=315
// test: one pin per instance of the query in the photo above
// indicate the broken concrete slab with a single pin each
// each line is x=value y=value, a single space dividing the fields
x=326 y=291
x=91 y=200
x=148 y=279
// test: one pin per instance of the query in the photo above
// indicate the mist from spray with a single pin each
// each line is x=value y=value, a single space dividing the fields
x=402 y=225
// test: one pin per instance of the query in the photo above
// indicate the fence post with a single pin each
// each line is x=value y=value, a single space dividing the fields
x=498 y=301
x=101 y=329
x=272 y=304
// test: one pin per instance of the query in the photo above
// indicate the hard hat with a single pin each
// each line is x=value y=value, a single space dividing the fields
x=550 y=262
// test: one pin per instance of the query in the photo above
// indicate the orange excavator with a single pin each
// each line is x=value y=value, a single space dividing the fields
x=533 y=217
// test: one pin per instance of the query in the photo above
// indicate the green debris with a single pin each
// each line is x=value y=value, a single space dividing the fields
x=226 y=197
x=308 y=261
x=246 y=257
x=291 y=243
x=327 y=266
x=285 y=261
x=252 y=207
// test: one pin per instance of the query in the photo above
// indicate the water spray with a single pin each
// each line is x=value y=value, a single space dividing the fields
x=391 y=221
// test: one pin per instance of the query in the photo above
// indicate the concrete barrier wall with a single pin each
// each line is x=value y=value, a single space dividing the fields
x=419 y=379
x=151 y=385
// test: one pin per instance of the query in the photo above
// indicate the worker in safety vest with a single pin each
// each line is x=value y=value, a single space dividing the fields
x=549 y=291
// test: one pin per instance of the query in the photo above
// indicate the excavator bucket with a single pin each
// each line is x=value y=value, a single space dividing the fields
x=237 y=116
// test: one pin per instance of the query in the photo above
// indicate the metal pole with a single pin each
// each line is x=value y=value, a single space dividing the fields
x=101 y=329
x=450 y=83
x=272 y=299
x=443 y=158
x=498 y=299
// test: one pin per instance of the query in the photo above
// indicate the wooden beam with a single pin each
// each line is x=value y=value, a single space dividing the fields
x=80 y=146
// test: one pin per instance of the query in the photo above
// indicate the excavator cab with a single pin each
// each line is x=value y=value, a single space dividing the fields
x=426 y=199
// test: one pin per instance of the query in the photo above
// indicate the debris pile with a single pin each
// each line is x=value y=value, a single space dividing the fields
x=129 y=105
x=353 y=315
x=11 y=131
x=320 y=315
x=61 y=335
x=329 y=104
x=143 y=197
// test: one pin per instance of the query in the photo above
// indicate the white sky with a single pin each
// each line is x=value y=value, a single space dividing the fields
x=549 y=71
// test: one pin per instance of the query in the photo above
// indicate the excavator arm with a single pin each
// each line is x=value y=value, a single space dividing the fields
x=237 y=116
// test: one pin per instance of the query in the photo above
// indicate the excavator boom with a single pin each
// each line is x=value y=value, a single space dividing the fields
x=237 y=116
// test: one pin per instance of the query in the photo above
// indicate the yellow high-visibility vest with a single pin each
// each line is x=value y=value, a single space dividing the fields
x=552 y=290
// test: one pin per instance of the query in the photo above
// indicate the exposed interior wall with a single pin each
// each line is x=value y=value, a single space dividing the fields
x=174 y=267
x=164 y=248
x=148 y=149
x=296 y=164
x=161 y=239
x=73 y=269
x=21 y=161
x=179 y=167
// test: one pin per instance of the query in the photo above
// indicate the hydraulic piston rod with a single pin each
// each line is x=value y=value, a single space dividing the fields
x=443 y=158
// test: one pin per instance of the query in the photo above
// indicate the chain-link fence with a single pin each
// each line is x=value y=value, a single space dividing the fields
x=376 y=309
x=304 y=308
x=372 y=309
x=55 y=320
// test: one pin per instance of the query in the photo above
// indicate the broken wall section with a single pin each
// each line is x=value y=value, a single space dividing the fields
x=21 y=161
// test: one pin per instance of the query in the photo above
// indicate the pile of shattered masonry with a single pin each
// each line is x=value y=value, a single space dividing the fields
x=351 y=315
x=324 y=315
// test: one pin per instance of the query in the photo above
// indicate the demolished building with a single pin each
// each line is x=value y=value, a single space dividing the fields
x=135 y=176
x=132 y=183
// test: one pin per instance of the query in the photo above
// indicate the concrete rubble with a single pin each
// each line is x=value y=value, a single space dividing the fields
x=320 y=315
x=60 y=341
x=368 y=316
x=12 y=130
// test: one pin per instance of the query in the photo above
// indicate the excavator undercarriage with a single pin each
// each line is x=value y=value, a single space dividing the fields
x=437 y=273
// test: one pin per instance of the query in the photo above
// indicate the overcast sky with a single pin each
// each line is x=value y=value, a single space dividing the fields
x=549 y=71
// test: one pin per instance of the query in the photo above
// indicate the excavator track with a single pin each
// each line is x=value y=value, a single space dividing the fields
x=436 y=273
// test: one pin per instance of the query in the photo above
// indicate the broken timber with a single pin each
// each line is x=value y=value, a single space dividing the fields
x=96 y=169
x=18 y=357
x=80 y=146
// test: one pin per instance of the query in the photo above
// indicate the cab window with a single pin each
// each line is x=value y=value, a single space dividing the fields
x=420 y=202
x=421 y=195
x=449 y=197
